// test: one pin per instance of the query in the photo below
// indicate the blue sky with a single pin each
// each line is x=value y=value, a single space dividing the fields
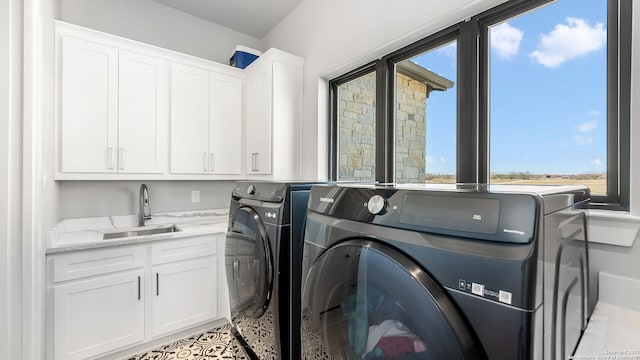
x=548 y=93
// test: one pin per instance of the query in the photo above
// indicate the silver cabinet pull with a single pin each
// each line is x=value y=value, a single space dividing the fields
x=157 y=284
x=121 y=158
x=110 y=158
x=254 y=161
x=204 y=161
x=139 y=295
x=236 y=269
x=212 y=162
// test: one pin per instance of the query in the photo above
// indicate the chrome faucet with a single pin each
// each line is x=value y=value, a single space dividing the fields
x=145 y=210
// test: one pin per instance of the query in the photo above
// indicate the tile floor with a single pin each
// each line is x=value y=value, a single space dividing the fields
x=215 y=344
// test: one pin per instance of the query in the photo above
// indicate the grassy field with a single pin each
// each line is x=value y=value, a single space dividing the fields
x=598 y=185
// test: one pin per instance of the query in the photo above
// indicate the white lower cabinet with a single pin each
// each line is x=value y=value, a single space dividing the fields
x=106 y=300
x=96 y=315
x=185 y=293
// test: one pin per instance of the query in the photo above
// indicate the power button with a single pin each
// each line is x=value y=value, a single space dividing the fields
x=377 y=205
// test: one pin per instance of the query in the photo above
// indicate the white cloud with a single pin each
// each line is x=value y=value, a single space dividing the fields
x=505 y=41
x=596 y=162
x=430 y=160
x=449 y=50
x=588 y=126
x=568 y=41
x=583 y=140
x=593 y=113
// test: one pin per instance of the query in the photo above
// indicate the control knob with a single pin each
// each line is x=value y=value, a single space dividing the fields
x=377 y=205
x=251 y=190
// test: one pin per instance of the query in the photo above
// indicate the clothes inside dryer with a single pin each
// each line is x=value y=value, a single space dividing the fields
x=368 y=301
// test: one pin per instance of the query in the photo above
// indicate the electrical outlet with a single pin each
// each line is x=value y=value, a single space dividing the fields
x=195 y=196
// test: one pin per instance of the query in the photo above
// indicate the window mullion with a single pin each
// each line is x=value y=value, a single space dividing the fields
x=384 y=123
x=468 y=100
x=483 y=105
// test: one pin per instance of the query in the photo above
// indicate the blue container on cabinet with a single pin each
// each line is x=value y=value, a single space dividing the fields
x=243 y=56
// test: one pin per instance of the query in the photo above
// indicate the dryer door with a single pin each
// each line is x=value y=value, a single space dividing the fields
x=249 y=264
x=364 y=300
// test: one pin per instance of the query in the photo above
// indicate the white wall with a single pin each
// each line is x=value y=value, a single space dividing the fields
x=336 y=36
x=10 y=177
x=153 y=23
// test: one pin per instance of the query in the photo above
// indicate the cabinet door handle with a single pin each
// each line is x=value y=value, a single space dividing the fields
x=157 y=284
x=212 y=162
x=139 y=295
x=121 y=158
x=235 y=270
x=110 y=158
x=254 y=161
x=204 y=161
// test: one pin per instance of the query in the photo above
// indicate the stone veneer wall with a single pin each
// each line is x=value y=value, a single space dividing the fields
x=411 y=130
x=356 y=143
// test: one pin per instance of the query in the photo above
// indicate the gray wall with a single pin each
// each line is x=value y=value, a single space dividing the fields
x=81 y=199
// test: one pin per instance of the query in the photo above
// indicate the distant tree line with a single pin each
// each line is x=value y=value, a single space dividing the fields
x=522 y=175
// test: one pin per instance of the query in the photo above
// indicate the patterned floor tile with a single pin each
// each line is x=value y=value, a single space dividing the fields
x=216 y=344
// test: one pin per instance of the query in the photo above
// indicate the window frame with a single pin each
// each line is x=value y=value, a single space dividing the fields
x=473 y=77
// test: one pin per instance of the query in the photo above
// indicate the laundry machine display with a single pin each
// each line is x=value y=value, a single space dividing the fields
x=447 y=272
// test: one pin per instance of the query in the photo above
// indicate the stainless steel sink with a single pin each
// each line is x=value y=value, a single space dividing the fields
x=140 y=232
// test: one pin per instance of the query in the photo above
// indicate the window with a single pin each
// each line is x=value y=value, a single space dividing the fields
x=548 y=91
x=425 y=117
x=357 y=128
x=535 y=92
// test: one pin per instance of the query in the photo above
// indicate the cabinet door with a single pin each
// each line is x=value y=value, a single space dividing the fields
x=287 y=123
x=189 y=120
x=184 y=294
x=258 y=125
x=143 y=101
x=95 y=316
x=89 y=107
x=225 y=125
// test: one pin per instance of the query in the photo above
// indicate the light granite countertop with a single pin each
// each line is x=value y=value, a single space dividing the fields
x=87 y=233
x=614 y=329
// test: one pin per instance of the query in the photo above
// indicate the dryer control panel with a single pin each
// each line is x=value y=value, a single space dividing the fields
x=512 y=217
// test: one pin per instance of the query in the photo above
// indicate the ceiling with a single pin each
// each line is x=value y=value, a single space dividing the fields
x=251 y=17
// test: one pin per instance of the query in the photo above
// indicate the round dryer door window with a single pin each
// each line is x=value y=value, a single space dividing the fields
x=250 y=269
x=364 y=300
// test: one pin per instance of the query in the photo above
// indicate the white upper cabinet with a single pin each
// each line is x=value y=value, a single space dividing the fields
x=88 y=107
x=273 y=129
x=206 y=122
x=189 y=119
x=113 y=110
x=127 y=110
x=258 y=130
x=225 y=125
x=142 y=125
